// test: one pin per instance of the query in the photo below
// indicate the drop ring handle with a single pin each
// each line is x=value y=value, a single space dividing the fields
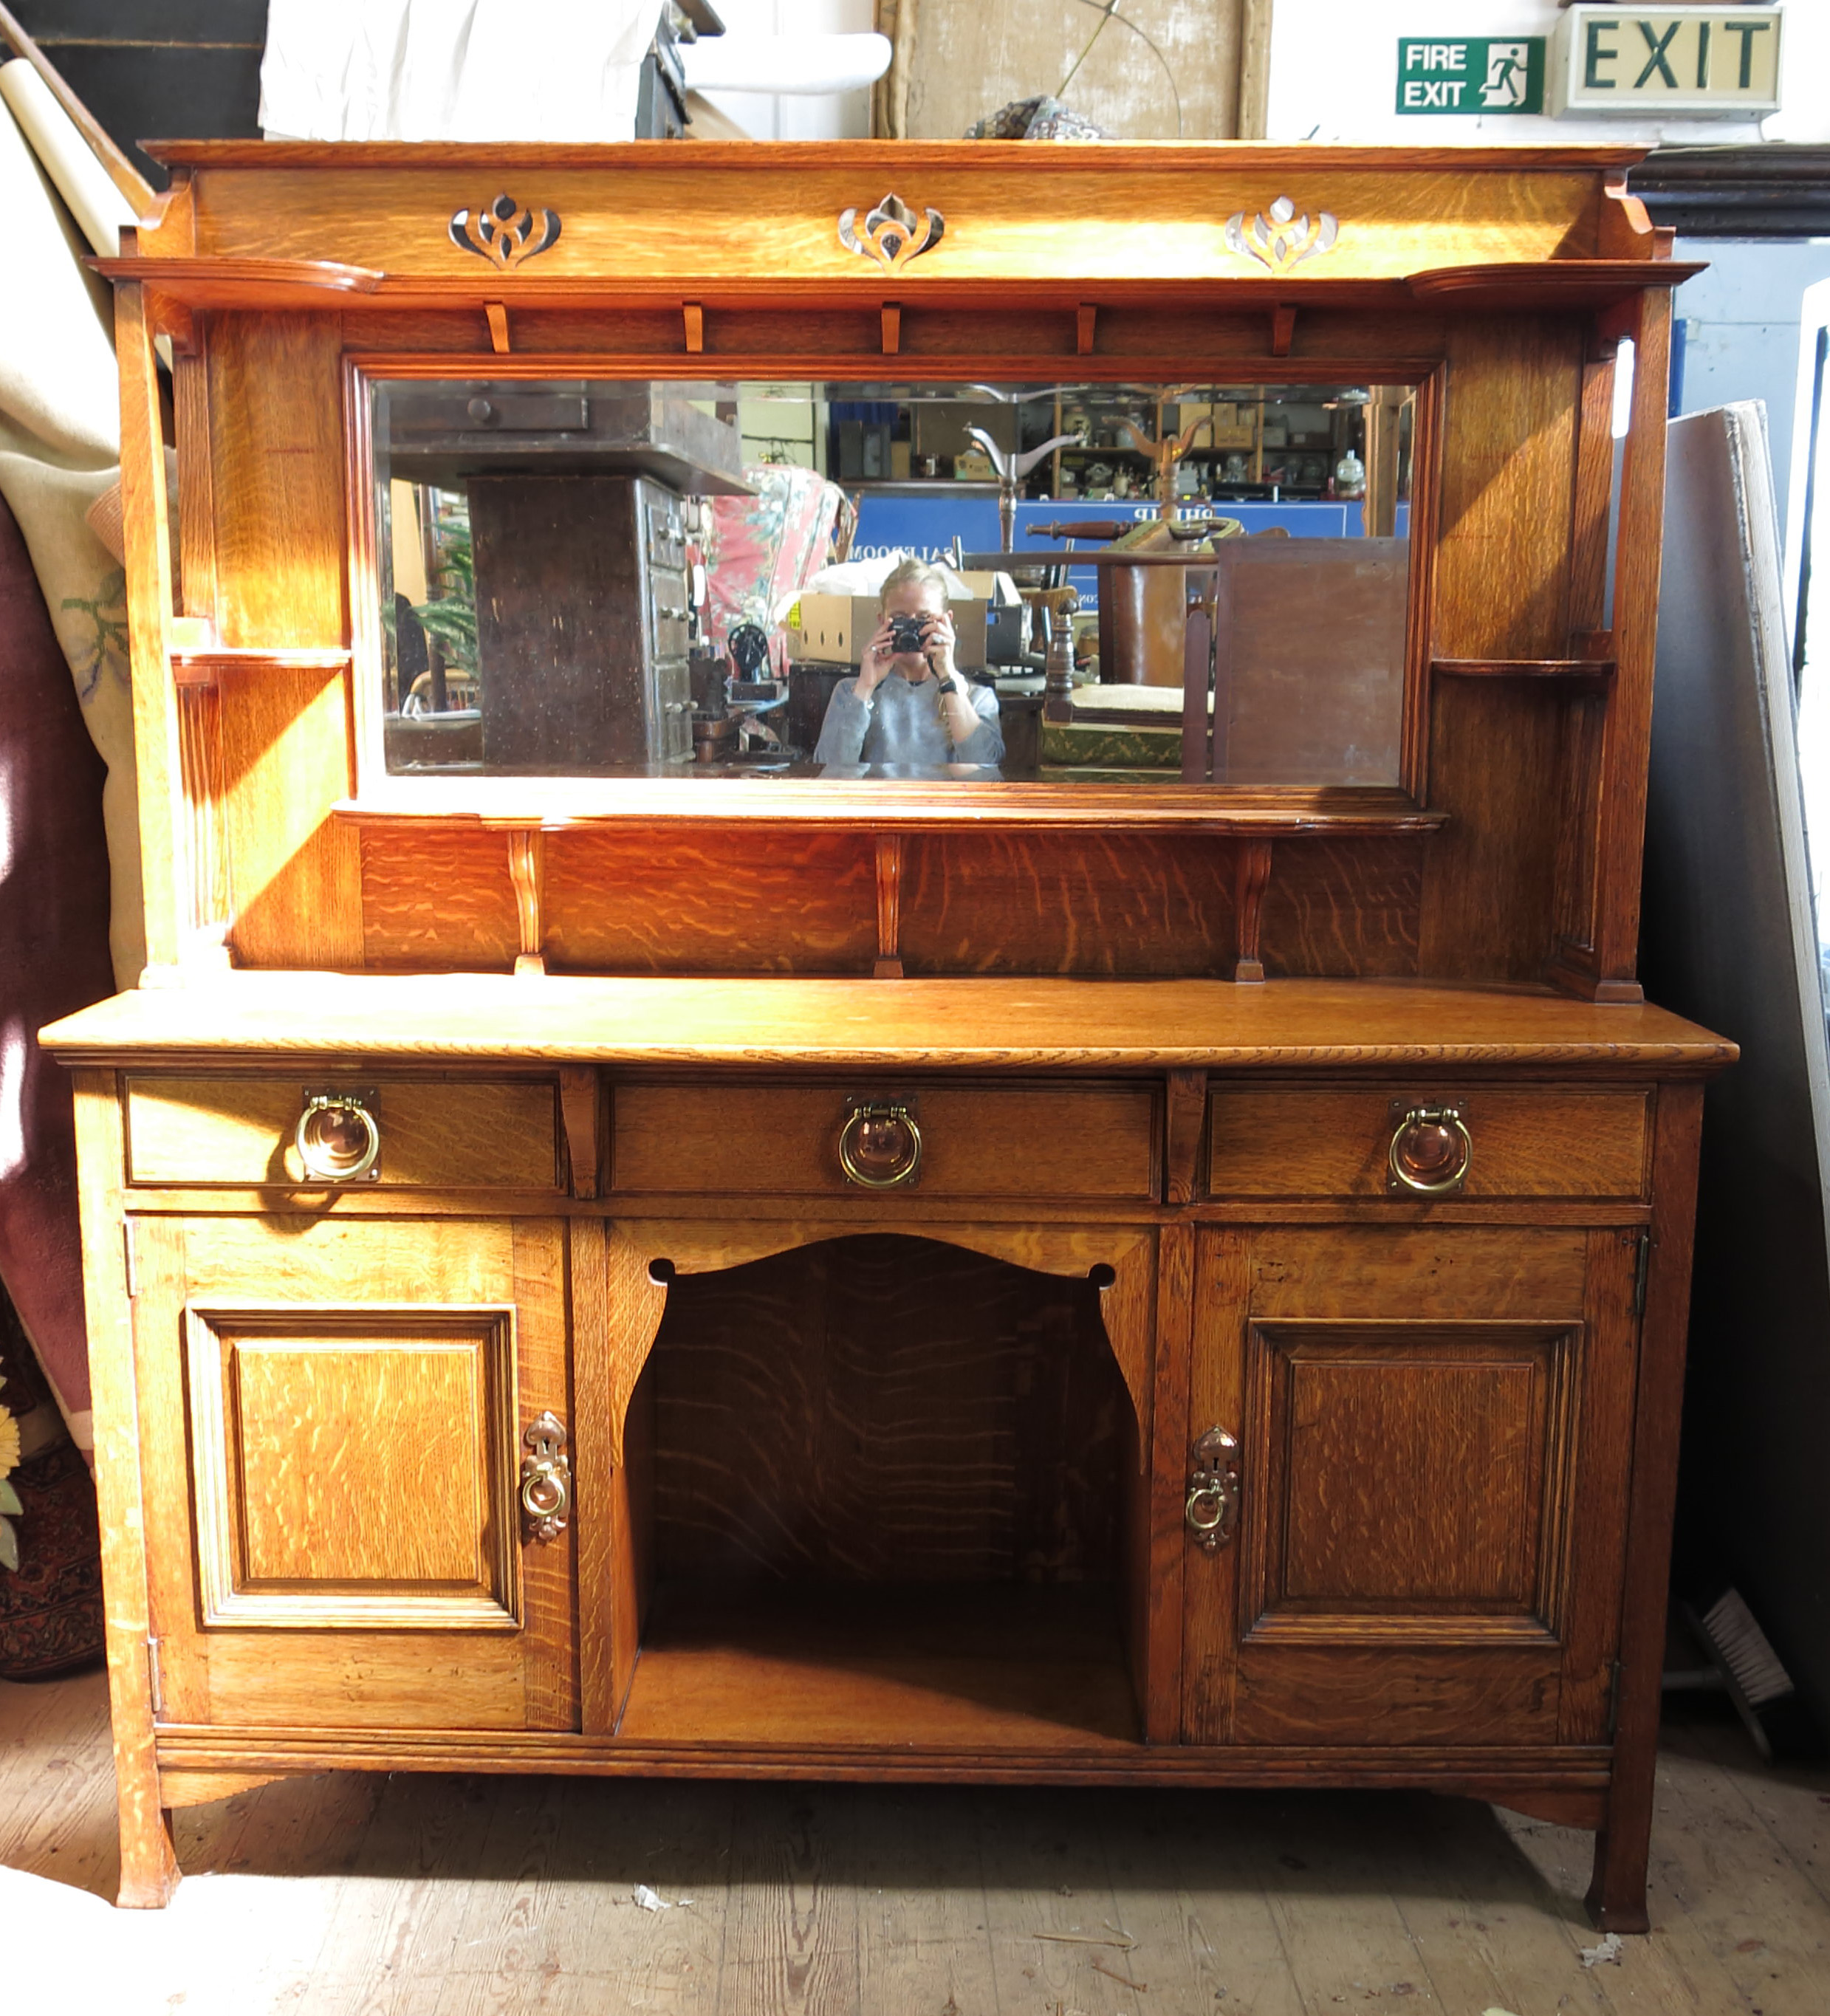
x=1431 y=1151
x=338 y=1137
x=879 y=1146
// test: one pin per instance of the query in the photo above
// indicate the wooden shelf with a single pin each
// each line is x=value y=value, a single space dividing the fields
x=204 y=666
x=939 y=1666
x=886 y=806
x=1547 y=285
x=304 y=285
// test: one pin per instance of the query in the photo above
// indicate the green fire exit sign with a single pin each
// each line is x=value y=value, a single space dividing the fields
x=1491 y=73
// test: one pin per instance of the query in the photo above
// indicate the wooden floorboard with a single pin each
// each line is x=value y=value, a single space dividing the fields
x=443 y=1895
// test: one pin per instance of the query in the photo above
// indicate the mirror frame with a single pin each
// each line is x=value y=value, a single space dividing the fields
x=891 y=805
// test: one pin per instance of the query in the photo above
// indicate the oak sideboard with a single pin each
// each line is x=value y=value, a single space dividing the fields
x=1161 y=1257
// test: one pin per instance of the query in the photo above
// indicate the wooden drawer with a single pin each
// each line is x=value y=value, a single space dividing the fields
x=436 y=1134
x=977 y=1141
x=1284 y=1142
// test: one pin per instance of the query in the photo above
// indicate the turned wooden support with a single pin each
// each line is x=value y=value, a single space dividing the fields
x=889 y=906
x=1058 y=684
x=1252 y=873
x=524 y=866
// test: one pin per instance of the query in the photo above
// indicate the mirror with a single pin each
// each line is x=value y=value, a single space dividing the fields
x=1110 y=584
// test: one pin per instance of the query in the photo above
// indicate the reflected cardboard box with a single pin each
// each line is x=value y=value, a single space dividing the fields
x=834 y=629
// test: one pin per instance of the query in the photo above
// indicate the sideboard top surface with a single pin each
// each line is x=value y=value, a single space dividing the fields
x=902 y=1025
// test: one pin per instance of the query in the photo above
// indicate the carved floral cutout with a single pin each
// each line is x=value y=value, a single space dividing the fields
x=505 y=232
x=1280 y=239
x=892 y=233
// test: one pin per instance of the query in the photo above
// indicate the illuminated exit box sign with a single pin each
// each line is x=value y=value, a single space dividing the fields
x=1470 y=73
x=1683 y=63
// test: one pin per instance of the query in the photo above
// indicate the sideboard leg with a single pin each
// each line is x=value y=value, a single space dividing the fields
x=1616 y=1898
x=1617 y=1894
x=148 y=1862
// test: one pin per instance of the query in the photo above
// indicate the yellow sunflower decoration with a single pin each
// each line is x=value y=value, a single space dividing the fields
x=8 y=1497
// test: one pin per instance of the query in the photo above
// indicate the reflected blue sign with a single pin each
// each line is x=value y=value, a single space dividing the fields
x=926 y=523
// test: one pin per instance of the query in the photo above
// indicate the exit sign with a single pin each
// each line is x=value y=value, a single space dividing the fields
x=1675 y=63
x=1491 y=73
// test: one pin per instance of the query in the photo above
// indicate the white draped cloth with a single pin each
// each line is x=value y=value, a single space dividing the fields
x=454 y=70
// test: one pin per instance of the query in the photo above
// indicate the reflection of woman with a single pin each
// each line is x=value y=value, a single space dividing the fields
x=926 y=715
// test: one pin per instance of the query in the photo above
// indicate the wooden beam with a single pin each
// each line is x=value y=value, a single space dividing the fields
x=498 y=316
x=158 y=760
x=1185 y=1116
x=892 y=328
x=1626 y=733
x=694 y=317
x=1254 y=70
x=121 y=171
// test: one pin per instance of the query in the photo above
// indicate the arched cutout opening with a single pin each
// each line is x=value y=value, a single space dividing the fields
x=884 y=1489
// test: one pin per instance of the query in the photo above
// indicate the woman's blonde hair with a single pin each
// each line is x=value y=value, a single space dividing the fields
x=910 y=569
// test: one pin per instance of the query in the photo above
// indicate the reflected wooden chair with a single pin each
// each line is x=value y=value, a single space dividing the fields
x=1293 y=662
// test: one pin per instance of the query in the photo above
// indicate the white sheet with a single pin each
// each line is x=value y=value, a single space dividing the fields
x=798 y=65
x=454 y=70
x=99 y=208
x=57 y=376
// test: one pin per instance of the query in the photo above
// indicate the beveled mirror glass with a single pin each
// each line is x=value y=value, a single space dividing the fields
x=1136 y=584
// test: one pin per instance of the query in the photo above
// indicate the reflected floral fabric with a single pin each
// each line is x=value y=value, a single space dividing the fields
x=760 y=549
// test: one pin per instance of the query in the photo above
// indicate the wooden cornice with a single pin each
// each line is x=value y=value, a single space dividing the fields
x=304 y=284
x=1186 y=157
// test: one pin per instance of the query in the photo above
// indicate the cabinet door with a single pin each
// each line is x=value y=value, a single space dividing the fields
x=1434 y=1437
x=332 y=1414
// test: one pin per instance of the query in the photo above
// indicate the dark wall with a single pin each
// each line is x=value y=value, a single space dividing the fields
x=153 y=69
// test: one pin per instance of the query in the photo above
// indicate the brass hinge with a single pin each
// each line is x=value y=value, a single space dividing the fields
x=154 y=1679
x=130 y=1259
x=1613 y=1699
x=1639 y=1273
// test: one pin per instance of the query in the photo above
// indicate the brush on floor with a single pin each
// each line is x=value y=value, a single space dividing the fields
x=1744 y=1664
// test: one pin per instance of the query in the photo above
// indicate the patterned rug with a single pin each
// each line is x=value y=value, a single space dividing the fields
x=50 y=1608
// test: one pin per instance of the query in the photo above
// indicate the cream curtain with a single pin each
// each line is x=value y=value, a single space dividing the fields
x=454 y=70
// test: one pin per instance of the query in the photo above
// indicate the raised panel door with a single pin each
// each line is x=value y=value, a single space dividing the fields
x=333 y=1413
x=1432 y=1443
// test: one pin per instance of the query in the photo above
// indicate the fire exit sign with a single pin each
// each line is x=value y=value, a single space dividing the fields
x=1470 y=73
x=1683 y=63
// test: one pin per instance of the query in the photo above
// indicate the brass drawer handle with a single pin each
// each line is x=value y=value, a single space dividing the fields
x=1430 y=1151
x=879 y=1145
x=1212 y=1506
x=546 y=1478
x=338 y=1136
